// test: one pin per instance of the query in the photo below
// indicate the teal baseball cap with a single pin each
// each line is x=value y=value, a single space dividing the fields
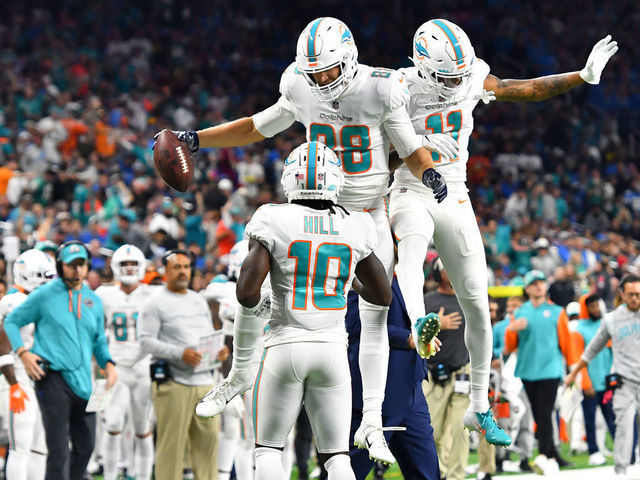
x=73 y=252
x=533 y=275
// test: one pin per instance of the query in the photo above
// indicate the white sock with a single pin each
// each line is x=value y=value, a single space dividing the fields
x=37 y=468
x=373 y=360
x=227 y=446
x=411 y=249
x=339 y=468
x=479 y=340
x=246 y=330
x=17 y=464
x=144 y=457
x=243 y=461
x=110 y=456
x=269 y=464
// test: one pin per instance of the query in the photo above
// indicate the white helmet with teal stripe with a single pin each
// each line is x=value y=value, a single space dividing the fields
x=312 y=172
x=324 y=44
x=444 y=56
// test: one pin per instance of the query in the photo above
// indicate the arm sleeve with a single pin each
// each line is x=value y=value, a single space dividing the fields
x=598 y=342
x=564 y=339
x=149 y=322
x=400 y=130
x=25 y=313
x=275 y=119
x=100 y=347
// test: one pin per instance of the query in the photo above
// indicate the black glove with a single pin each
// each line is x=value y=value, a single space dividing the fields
x=433 y=180
x=190 y=138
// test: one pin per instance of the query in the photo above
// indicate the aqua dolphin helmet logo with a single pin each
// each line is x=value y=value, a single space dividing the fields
x=421 y=48
x=347 y=37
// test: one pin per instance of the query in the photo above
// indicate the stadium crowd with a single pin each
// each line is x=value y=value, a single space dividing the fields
x=85 y=85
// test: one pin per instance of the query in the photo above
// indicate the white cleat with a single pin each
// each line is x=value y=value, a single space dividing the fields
x=372 y=438
x=214 y=402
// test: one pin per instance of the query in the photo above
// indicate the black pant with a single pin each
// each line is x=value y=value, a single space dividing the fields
x=542 y=396
x=64 y=418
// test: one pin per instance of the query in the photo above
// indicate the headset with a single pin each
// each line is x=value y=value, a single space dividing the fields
x=62 y=247
x=436 y=269
x=178 y=251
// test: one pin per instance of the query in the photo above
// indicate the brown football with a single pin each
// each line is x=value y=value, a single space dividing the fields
x=173 y=161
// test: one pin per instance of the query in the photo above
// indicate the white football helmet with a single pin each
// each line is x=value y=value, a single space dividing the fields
x=444 y=56
x=128 y=274
x=236 y=256
x=326 y=43
x=312 y=172
x=33 y=268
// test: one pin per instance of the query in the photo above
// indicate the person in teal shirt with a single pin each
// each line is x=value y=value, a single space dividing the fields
x=593 y=382
x=69 y=330
x=499 y=328
x=541 y=335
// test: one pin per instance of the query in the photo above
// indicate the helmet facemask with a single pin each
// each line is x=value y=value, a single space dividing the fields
x=128 y=272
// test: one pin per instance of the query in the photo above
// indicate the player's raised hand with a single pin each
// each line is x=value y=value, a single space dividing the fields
x=486 y=96
x=17 y=398
x=441 y=143
x=598 y=58
x=190 y=138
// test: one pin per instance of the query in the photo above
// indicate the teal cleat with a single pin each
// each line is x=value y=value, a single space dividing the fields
x=485 y=425
x=424 y=334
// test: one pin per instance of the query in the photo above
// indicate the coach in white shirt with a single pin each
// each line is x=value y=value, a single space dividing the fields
x=170 y=326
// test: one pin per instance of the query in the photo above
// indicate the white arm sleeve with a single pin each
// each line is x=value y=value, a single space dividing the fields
x=274 y=119
x=400 y=130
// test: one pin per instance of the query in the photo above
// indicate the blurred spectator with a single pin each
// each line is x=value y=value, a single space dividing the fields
x=544 y=260
x=561 y=291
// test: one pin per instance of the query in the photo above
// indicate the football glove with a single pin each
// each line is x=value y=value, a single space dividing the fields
x=433 y=180
x=598 y=58
x=442 y=144
x=486 y=97
x=17 y=398
x=190 y=138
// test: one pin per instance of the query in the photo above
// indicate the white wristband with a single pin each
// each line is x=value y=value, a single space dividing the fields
x=6 y=360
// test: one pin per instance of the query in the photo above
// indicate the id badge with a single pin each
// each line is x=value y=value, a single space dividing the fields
x=462 y=385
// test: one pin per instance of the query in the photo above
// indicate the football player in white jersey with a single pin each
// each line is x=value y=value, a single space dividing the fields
x=445 y=84
x=358 y=111
x=19 y=406
x=312 y=249
x=132 y=391
x=235 y=444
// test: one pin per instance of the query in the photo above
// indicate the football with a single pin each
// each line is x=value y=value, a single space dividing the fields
x=173 y=161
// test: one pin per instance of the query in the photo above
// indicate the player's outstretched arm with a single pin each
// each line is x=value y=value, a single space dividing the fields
x=374 y=285
x=542 y=88
x=232 y=134
x=252 y=274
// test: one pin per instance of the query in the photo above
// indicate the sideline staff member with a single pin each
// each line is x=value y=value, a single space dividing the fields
x=170 y=325
x=69 y=329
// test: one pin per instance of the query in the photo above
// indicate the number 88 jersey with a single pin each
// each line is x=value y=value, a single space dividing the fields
x=121 y=316
x=313 y=258
x=430 y=117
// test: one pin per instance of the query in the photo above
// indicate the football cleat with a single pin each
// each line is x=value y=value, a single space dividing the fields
x=424 y=333
x=372 y=438
x=485 y=425
x=214 y=402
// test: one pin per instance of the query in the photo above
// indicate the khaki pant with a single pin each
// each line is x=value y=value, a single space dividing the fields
x=178 y=424
x=452 y=440
x=486 y=456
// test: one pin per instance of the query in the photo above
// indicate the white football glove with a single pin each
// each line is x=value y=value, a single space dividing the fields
x=235 y=407
x=486 y=97
x=598 y=58
x=441 y=143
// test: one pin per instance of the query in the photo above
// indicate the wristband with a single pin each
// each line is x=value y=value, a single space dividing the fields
x=22 y=352
x=6 y=360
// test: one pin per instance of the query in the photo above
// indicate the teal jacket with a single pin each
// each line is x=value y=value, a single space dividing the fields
x=600 y=366
x=69 y=330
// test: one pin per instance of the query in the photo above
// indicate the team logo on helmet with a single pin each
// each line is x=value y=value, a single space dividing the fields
x=346 y=34
x=421 y=48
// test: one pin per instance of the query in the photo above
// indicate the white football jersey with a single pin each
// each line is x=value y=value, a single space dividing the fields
x=313 y=258
x=121 y=317
x=359 y=126
x=223 y=291
x=456 y=120
x=7 y=303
